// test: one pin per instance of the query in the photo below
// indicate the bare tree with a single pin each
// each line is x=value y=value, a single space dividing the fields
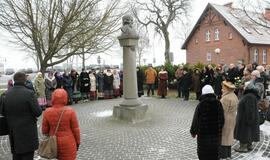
x=161 y=14
x=54 y=30
x=254 y=10
x=143 y=43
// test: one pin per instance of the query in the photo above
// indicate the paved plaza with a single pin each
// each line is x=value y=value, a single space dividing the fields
x=163 y=135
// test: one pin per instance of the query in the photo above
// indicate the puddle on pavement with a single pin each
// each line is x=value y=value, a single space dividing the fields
x=105 y=113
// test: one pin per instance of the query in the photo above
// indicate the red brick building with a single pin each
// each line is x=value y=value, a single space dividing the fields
x=226 y=35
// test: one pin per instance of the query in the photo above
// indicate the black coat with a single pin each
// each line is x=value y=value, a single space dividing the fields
x=207 y=77
x=140 y=81
x=207 y=124
x=217 y=84
x=84 y=82
x=21 y=110
x=186 y=82
x=100 y=82
x=247 y=128
x=108 y=82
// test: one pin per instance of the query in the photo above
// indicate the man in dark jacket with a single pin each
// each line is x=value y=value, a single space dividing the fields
x=85 y=84
x=186 y=82
x=21 y=110
x=207 y=124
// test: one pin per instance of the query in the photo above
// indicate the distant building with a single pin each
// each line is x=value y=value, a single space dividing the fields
x=224 y=34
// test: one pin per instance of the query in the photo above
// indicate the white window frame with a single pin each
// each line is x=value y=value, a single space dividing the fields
x=256 y=55
x=264 y=56
x=208 y=57
x=216 y=34
x=207 y=36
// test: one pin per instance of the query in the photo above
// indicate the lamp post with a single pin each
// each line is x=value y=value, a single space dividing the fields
x=98 y=61
x=217 y=51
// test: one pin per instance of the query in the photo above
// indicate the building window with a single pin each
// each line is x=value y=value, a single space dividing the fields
x=256 y=53
x=264 y=56
x=230 y=35
x=207 y=36
x=208 y=57
x=216 y=34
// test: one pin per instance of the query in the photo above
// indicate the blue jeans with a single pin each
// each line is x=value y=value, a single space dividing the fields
x=150 y=87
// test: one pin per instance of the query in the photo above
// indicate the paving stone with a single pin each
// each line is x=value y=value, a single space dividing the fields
x=163 y=135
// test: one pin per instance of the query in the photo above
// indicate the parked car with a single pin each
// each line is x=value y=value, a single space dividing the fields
x=9 y=71
x=29 y=70
x=22 y=70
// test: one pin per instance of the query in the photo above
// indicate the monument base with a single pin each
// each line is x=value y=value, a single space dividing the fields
x=133 y=114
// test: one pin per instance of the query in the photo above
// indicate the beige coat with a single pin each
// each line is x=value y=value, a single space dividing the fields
x=229 y=102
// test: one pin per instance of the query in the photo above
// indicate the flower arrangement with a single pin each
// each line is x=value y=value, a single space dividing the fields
x=204 y=79
x=237 y=82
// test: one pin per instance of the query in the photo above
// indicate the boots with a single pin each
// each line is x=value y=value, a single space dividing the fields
x=242 y=148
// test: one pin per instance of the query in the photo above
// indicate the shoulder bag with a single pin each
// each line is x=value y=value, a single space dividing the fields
x=48 y=146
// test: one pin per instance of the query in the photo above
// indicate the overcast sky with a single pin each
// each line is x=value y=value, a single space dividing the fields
x=18 y=59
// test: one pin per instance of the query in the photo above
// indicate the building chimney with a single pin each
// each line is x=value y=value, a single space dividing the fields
x=228 y=4
x=267 y=14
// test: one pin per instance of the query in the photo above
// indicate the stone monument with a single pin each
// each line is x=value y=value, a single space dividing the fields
x=131 y=109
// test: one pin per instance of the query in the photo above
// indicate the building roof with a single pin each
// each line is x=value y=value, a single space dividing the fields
x=250 y=31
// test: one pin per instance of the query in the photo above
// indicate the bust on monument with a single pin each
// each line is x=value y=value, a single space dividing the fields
x=127 y=28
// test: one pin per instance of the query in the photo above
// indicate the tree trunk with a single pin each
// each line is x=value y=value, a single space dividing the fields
x=43 y=69
x=83 y=61
x=37 y=63
x=139 y=58
x=167 y=47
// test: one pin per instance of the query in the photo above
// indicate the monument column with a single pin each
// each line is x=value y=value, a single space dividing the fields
x=131 y=109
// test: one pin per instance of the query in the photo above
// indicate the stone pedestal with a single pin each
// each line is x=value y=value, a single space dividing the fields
x=131 y=109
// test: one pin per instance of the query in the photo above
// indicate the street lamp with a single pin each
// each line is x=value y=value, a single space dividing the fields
x=217 y=51
x=98 y=61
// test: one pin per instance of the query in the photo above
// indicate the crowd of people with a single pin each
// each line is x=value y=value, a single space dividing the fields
x=230 y=107
x=105 y=84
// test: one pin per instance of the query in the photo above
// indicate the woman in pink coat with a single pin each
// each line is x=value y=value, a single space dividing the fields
x=68 y=134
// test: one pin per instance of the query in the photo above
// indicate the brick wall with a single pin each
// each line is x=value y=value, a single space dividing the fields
x=232 y=50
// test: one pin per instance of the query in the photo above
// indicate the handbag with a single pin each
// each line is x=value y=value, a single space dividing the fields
x=3 y=120
x=48 y=146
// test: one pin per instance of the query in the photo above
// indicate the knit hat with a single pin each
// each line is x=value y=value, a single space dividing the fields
x=207 y=89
